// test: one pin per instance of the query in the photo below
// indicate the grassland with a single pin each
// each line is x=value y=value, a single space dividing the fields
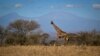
x=50 y=51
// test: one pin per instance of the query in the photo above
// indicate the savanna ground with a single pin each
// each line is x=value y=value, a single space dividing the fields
x=50 y=51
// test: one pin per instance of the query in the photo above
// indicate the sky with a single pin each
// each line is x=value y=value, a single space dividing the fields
x=36 y=8
x=89 y=9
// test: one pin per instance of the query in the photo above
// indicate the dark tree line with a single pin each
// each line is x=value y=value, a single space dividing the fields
x=81 y=38
x=21 y=32
x=25 y=32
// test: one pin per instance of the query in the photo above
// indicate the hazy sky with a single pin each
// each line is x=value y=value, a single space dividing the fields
x=35 y=8
x=85 y=9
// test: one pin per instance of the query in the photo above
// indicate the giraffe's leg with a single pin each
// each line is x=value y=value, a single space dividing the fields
x=57 y=40
x=66 y=40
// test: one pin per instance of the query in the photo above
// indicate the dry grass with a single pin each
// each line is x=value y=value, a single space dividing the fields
x=50 y=51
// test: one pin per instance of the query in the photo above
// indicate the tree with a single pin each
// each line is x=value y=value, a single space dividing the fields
x=1 y=31
x=19 y=29
x=33 y=39
x=23 y=26
x=1 y=34
x=53 y=42
x=44 y=38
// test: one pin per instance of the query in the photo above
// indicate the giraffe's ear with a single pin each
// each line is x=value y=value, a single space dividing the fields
x=51 y=22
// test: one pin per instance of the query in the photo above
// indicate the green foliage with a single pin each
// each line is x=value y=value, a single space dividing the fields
x=45 y=36
x=33 y=39
x=1 y=35
x=52 y=42
x=23 y=26
x=87 y=38
x=17 y=34
x=80 y=38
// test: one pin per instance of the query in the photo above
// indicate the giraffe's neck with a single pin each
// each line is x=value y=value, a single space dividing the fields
x=60 y=33
x=58 y=30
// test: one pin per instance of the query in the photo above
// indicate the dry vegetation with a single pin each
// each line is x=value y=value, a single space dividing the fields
x=50 y=51
x=15 y=40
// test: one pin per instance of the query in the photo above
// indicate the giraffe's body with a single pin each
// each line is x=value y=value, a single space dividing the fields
x=60 y=33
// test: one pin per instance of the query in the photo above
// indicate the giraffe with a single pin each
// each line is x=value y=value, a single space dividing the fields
x=60 y=33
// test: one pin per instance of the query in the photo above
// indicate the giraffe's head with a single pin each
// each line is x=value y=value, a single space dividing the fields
x=52 y=22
